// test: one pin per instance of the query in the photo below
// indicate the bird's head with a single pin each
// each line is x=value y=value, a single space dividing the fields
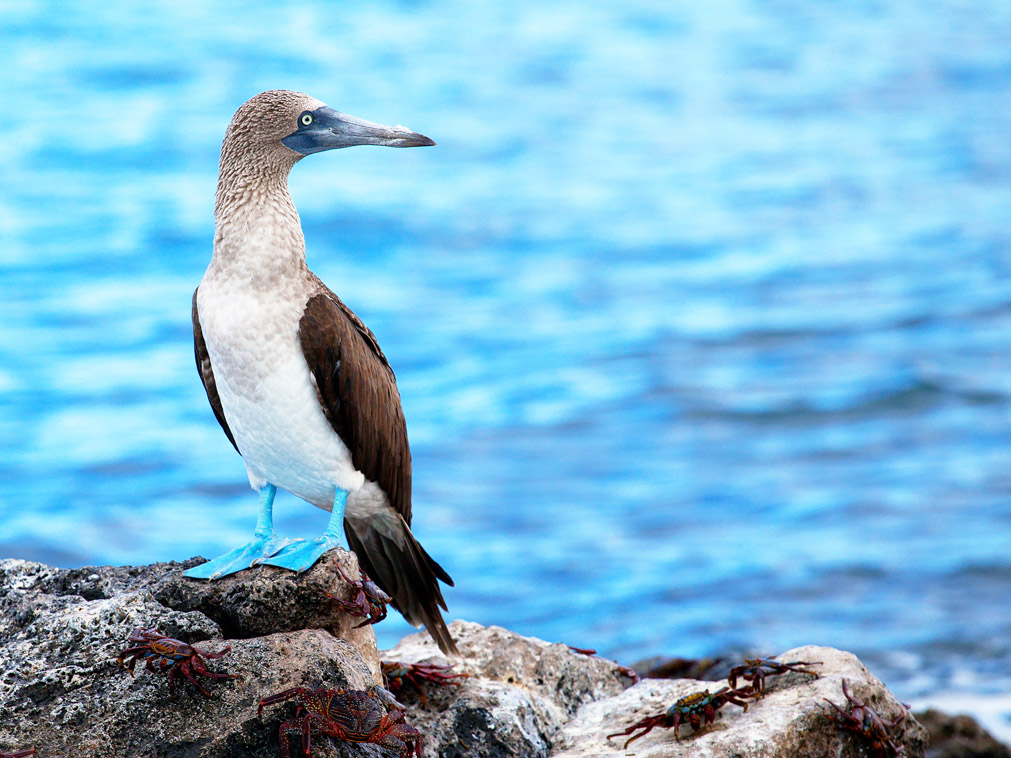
x=292 y=124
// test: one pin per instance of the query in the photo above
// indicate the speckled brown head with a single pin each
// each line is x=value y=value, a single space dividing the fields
x=272 y=131
x=282 y=122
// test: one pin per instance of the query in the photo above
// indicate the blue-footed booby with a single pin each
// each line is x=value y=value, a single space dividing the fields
x=298 y=383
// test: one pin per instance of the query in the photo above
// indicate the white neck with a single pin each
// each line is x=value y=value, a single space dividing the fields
x=257 y=233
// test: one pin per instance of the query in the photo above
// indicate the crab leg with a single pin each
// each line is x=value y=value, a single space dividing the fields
x=201 y=668
x=215 y=655
x=131 y=651
x=280 y=696
x=187 y=670
x=645 y=724
x=292 y=725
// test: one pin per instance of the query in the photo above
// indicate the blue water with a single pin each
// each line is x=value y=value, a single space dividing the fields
x=701 y=314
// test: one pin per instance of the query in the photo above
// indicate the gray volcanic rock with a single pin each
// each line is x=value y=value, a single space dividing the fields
x=792 y=719
x=63 y=693
x=250 y=603
x=528 y=698
x=270 y=599
x=520 y=692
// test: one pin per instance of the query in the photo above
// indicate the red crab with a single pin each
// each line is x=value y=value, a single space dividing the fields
x=174 y=655
x=395 y=673
x=754 y=670
x=861 y=718
x=697 y=708
x=353 y=715
x=369 y=602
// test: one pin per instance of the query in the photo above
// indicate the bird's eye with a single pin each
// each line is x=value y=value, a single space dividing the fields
x=306 y=119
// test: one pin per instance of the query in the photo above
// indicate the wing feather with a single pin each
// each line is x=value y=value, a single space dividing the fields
x=207 y=374
x=358 y=393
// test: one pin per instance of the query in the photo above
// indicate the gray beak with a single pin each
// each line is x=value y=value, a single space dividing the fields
x=328 y=129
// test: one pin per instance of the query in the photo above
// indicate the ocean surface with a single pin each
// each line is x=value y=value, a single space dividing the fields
x=700 y=312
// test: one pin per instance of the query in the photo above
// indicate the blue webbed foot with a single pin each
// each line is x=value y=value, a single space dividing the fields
x=245 y=556
x=304 y=555
x=263 y=545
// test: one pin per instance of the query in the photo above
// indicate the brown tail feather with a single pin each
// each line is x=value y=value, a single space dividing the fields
x=402 y=568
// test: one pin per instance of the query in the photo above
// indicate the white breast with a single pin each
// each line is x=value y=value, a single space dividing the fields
x=266 y=391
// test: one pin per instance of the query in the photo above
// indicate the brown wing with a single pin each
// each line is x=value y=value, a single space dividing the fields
x=358 y=392
x=207 y=374
x=359 y=395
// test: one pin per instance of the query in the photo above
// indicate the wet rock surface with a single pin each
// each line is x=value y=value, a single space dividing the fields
x=63 y=693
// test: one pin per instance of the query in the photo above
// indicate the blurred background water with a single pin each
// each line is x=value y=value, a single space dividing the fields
x=700 y=311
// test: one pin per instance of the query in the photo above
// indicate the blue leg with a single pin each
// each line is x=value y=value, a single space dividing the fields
x=303 y=555
x=263 y=545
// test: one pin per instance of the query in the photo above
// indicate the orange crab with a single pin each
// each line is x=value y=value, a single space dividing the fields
x=353 y=715
x=369 y=602
x=861 y=718
x=697 y=708
x=171 y=655
x=756 y=669
x=396 y=673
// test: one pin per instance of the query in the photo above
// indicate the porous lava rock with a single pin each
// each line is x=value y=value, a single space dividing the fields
x=792 y=719
x=63 y=693
x=519 y=692
x=550 y=701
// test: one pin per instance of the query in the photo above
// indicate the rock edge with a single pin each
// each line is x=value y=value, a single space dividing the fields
x=63 y=693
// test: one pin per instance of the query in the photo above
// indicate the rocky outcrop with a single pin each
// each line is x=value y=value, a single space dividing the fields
x=576 y=701
x=248 y=604
x=63 y=693
x=792 y=719
x=959 y=737
x=519 y=694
